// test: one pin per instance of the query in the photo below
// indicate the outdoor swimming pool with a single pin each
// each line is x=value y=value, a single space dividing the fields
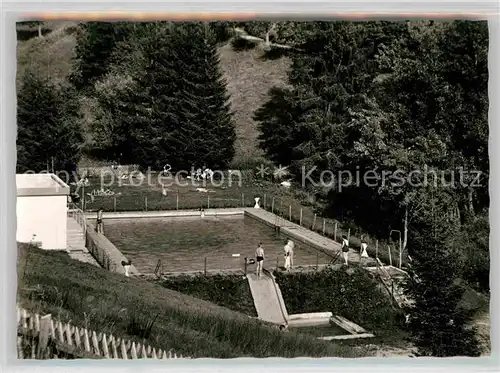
x=187 y=243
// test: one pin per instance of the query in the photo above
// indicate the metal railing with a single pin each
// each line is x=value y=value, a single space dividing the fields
x=78 y=215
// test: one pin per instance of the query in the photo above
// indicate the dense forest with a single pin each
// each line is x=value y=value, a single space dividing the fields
x=359 y=97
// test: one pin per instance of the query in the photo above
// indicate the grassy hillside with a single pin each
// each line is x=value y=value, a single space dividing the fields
x=249 y=76
x=136 y=309
x=51 y=55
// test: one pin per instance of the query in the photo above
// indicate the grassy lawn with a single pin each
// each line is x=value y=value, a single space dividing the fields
x=190 y=244
x=132 y=195
x=249 y=78
x=147 y=312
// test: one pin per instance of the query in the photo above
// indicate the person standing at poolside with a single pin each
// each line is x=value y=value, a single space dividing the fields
x=345 y=249
x=292 y=246
x=259 y=256
x=286 y=250
x=364 y=246
x=99 y=228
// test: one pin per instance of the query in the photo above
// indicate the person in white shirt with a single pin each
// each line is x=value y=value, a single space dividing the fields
x=345 y=249
x=292 y=246
x=259 y=256
x=364 y=246
x=287 y=256
x=166 y=170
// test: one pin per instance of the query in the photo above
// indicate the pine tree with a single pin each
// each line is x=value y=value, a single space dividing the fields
x=96 y=42
x=331 y=78
x=176 y=108
x=206 y=117
x=137 y=100
x=437 y=323
x=47 y=131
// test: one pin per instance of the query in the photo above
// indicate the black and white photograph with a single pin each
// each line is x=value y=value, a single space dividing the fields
x=252 y=188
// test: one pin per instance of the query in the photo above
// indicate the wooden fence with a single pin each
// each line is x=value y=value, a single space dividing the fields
x=41 y=337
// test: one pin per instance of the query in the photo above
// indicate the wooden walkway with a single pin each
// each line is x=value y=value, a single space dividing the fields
x=392 y=281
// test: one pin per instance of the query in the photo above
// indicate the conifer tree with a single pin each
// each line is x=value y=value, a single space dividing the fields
x=206 y=112
x=96 y=42
x=176 y=108
x=48 y=133
x=437 y=323
x=137 y=100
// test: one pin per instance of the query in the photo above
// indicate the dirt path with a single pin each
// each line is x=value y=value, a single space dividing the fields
x=483 y=325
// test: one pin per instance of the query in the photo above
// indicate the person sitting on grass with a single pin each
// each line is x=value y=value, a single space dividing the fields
x=259 y=256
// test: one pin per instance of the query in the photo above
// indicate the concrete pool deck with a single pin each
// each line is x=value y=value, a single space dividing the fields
x=300 y=234
x=265 y=291
x=167 y=214
x=241 y=272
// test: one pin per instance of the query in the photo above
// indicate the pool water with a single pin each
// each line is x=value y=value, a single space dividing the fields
x=183 y=243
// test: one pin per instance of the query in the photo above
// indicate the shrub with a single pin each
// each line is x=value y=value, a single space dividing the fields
x=229 y=291
x=352 y=293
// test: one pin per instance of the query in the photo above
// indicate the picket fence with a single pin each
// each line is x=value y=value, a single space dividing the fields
x=76 y=342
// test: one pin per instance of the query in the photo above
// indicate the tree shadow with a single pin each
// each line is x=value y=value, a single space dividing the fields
x=274 y=53
x=240 y=45
x=25 y=35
